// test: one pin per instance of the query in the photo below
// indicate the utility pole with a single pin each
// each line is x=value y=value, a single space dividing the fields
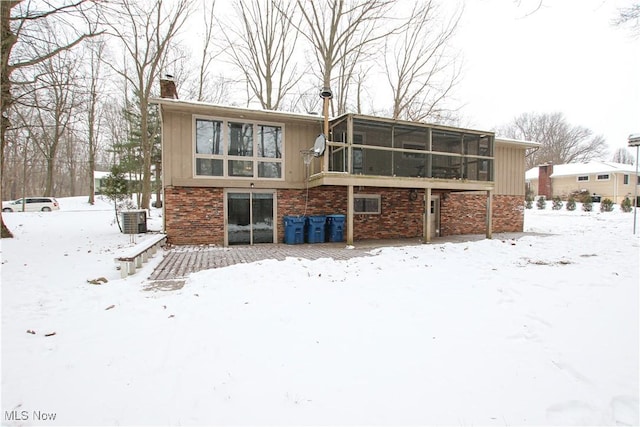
x=634 y=141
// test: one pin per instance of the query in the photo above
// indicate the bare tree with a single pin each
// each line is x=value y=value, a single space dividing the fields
x=624 y=156
x=262 y=47
x=629 y=16
x=533 y=6
x=208 y=16
x=95 y=53
x=342 y=31
x=145 y=29
x=54 y=103
x=561 y=142
x=419 y=69
x=20 y=48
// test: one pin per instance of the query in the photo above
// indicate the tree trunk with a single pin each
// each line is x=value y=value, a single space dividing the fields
x=48 y=189
x=7 y=40
x=146 y=154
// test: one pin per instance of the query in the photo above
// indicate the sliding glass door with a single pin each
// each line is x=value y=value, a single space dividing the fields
x=250 y=218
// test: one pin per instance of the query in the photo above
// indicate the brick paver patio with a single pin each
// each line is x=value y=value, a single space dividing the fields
x=180 y=261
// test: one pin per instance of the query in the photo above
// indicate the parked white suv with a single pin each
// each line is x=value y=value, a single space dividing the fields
x=32 y=204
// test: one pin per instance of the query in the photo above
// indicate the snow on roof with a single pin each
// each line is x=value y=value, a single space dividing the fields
x=237 y=110
x=590 y=168
x=531 y=174
x=511 y=141
x=102 y=174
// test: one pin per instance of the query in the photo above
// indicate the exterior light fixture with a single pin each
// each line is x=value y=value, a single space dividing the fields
x=326 y=96
x=325 y=93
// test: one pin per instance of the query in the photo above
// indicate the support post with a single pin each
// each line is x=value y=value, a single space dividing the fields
x=350 y=215
x=427 y=216
x=635 y=192
x=489 y=214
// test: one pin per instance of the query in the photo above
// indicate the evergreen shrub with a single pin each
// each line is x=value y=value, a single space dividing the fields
x=606 y=205
x=541 y=203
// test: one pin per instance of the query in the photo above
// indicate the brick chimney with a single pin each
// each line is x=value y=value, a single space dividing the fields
x=544 y=181
x=168 y=89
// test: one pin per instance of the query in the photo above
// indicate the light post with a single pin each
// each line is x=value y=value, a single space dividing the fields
x=634 y=141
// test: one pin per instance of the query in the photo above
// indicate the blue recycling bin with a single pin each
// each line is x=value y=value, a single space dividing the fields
x=335 y=228
x=294 y=230
x=315 y=228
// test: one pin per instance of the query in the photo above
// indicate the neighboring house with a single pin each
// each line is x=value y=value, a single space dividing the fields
x=99 y=181
x=610 y=180
x=134 y=180
x=230 y=175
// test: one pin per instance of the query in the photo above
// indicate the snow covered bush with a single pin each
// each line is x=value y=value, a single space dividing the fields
x=528 y=204
x=606 y=205
x=541 y=203
x=626 y=204
x=557 y=203
x=587 y=206
x=571 y=204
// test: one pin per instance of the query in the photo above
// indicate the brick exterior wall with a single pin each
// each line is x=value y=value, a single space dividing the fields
x=400 y=217
x=508 y=214
x=196 y=215
x=322 y=201
x=462 y=213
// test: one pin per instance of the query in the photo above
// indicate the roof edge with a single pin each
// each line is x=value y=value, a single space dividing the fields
x=238 y=110
x=518 y=142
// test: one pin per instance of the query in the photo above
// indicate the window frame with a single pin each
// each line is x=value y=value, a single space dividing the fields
x=370 y=197
x=607 y=175
x=582 y=180
x=227 y=159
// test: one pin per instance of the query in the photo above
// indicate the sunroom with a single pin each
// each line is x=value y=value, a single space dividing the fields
x=365 y=147
x=364 y=151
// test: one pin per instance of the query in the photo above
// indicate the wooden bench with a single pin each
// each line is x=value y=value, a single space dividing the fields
x=133 y=257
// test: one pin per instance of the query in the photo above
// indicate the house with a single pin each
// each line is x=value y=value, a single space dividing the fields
x=100 y=179
x=610 y=180
x=230 y=175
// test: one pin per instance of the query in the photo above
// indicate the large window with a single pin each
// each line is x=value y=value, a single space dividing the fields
x=228 y=148
x=269 y=147
x=209 y=150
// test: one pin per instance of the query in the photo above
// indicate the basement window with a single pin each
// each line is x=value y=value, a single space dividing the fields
x=366 y=204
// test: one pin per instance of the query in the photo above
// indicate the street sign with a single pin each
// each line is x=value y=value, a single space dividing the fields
x=634 y=140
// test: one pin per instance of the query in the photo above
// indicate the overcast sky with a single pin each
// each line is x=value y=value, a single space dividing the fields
x=566 y=56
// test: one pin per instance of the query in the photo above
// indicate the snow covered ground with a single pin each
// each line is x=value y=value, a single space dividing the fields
x=539 y=330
